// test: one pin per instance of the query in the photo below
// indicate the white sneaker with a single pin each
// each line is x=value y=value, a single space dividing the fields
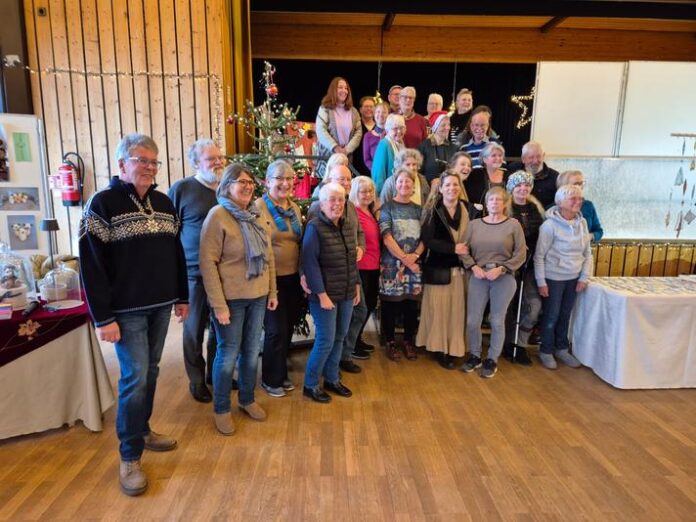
x=568 y=359
x=547 y=361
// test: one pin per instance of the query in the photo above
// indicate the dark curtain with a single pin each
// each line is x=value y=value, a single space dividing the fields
x=304 y=83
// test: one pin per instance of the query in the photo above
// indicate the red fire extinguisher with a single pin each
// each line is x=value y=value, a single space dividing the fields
x=69 y=182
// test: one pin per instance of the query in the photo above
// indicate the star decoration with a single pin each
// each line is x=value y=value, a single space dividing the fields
x=519 y=100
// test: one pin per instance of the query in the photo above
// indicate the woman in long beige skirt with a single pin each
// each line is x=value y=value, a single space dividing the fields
x=443 y=308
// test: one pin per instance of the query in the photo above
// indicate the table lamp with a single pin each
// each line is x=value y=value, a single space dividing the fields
x=50 y=225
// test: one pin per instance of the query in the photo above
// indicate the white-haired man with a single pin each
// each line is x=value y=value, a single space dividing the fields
x=193 y=197
x=133 y=269
x=544 y=176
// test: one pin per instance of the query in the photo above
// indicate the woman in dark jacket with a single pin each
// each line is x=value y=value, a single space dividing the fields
x=329 y=262
x=490 y=175
x=443 y=309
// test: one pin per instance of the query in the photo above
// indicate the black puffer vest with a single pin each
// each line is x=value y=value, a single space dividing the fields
x=339 y=268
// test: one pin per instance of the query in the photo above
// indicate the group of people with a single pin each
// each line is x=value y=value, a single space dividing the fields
x=438 y=240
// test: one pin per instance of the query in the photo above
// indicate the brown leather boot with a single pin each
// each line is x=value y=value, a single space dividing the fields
x=392 y=351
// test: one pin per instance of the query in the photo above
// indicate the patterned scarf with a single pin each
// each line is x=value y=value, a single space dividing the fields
x=255 y=238
x=279 y=214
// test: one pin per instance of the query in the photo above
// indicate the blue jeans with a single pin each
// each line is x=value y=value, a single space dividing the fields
x=357 y=321
x=241 y=337
x=139 y=351
x=331 y=328
x=556 y=315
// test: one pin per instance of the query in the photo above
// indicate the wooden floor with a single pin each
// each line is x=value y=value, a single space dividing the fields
x=416 y=442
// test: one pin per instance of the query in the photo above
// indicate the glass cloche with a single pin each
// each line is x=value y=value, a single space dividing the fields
x=16 y=279
x=60 y=284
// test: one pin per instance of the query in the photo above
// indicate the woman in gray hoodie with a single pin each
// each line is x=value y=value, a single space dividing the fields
x=562 y=266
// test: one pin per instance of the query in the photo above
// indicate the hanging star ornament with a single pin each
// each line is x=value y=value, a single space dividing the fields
x=521 y=101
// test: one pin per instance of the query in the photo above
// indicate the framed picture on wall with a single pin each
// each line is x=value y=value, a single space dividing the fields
x=21 y=229
x=19 y=198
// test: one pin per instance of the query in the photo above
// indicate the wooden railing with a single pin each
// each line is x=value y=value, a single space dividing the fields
x=656 y=258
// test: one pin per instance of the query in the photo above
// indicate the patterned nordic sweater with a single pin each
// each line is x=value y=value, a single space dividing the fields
x=131 y=258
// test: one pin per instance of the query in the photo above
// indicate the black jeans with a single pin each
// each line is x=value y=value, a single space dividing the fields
x=370 y=286
x=194 y=328
x=409 y=310
x=278 y=325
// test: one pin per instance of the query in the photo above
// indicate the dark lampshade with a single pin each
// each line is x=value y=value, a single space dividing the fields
x=49 y=225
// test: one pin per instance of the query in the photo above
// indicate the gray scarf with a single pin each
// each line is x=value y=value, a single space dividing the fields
x=255 y=238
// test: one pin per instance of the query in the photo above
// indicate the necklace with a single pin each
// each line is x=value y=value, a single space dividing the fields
x=146 y=211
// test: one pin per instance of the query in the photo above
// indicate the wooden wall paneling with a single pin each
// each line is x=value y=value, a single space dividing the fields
x=645 y=254
x=187 y=100
x=657 y=268
x=110 y=86
x=171 y=90
x=103 y=154
x=80 y=95
x=126 y=85
x=672 y=260
x=687 y=259
x=616 y=263
x=68 y=219
x=631 y=261
x=603 y=260
x=33 y=57
x=51 y=113
x=138 y=56
x=215 y=52
x=199 y=52
x=156 y=87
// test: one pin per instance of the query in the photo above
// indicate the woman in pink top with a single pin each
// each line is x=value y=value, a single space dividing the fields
x=362 y=194
x=338 y=124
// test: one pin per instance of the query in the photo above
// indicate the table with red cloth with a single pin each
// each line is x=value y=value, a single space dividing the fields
x=52 y=372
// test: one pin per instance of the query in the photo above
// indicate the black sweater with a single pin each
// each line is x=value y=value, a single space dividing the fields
x=130 y=259
x=437 y=238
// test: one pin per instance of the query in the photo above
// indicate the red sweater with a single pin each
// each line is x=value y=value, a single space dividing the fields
x=370 y=260
x=416 y=131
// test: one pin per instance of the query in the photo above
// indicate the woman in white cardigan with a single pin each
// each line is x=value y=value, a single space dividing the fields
x=338 y=123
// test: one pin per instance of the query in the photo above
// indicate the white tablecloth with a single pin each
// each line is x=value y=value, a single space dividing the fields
x=638 y=332
x=59 y=383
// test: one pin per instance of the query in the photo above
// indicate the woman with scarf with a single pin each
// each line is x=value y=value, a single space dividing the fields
x=443 y=310
x=285 y=219
x=239 y=276
x=437 y=149
x=388 y=148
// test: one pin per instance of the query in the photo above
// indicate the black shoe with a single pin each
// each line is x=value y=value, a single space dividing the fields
x=359 y=353
x=349 y=366
x=446 y=361
x=316 y=394
x=488 y=369
x=200 y=392
x=337 y=388
x=364 y=346
x=522 y=357
x=508 y=349
x=472 y=363
x=209 y=380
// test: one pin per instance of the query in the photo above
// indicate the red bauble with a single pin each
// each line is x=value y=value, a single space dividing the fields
x=272 y=90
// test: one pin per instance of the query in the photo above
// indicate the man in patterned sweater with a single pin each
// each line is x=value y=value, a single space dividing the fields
x=133 y=269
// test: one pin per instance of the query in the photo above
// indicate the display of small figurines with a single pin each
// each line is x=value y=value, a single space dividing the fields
x=4 y=167
x=12 y=290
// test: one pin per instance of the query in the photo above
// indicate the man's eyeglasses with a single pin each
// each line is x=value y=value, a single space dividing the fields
x=144 y=162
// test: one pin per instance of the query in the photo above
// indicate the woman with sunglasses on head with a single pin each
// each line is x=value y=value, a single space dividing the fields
x=239 y=275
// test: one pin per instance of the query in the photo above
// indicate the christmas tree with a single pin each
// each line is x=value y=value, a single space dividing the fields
x=269 y=125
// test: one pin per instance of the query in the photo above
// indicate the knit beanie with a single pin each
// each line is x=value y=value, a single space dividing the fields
x=518 y=178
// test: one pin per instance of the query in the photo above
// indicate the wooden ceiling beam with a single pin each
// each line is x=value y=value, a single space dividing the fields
x=388 y=21
x=551 y=24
